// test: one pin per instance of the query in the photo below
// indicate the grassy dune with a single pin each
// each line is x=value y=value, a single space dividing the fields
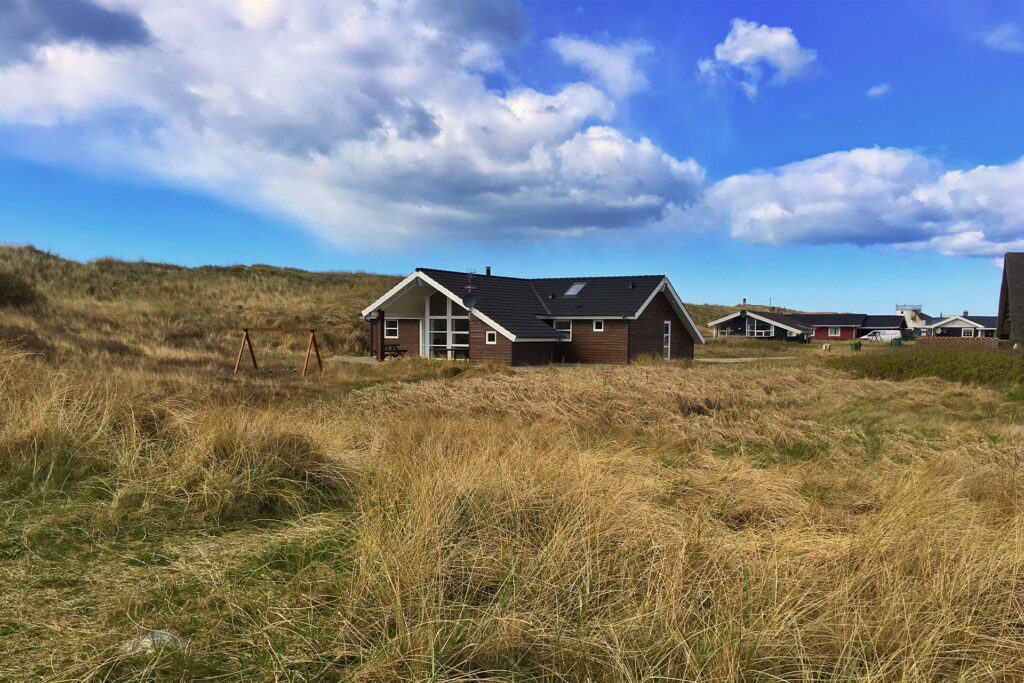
x=423 y=520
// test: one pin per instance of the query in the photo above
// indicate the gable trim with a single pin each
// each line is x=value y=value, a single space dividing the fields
x=677 y=304
x=776 y=323
x=951 y=318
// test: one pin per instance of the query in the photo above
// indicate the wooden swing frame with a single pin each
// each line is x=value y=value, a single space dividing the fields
x=312 y=346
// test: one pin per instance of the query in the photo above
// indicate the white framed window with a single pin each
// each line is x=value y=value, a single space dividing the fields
x=447 y=328
x=565 y=327
x=598 y=326
x=666 y=340
x=834 y=331
x=390 y=329
x=759 y=328
x=491 y=337
x=967 y=332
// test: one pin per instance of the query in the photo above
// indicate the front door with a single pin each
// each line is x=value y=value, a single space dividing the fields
x=666 y=342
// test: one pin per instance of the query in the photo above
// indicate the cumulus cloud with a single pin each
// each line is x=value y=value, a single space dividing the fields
x=1008 y=37
x=889 y=196
x=612 y=66
x=750 y=50
x=362 y=120
x=878 y=90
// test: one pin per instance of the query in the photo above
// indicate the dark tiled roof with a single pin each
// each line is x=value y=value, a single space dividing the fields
x=1011 y=297
x=830 y=319
x=516 y=303
x=783 y=319
x=988 y=321
x=611 y=296
x=884 y=322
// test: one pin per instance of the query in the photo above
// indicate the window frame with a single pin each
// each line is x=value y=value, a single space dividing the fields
x=388 y=322
x=838 y=331
x=966 y=331
x=490 y=337
x=568 y=331
x=596 y=328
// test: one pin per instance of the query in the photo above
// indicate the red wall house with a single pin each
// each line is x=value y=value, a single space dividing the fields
x=844 y=333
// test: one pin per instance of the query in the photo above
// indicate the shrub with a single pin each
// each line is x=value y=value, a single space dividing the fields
x=968 y=365
x=17 y=291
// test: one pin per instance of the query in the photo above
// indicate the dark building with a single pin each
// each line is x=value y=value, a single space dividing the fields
x=520 y=321
x=1010 y=321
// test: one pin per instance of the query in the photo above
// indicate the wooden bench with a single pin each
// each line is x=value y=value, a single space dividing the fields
x=392 y=351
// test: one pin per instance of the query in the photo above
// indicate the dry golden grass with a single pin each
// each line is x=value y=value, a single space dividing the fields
x=423 y=520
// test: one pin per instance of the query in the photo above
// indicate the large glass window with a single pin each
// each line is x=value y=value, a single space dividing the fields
x=759 y=328
x=447 y=328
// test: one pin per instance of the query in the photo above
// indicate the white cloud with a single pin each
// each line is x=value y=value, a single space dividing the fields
x=750 y=49
x=878 y=90
x=889 y=196
x=363 y=121
x=1008 y=37
x=612 y=66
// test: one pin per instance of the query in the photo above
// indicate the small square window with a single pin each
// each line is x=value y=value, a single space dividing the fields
x=833 y=331
x=564 y=327
x=491 y=337
x=598 y=326
x=391 y=329
x=967 y=332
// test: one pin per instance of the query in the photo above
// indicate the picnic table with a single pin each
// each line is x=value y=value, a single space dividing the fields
x=392 y=351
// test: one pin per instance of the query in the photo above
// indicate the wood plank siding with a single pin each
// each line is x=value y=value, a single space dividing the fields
x=480 y=350
x=588 y=346
x=408 y=337
x=646 y=332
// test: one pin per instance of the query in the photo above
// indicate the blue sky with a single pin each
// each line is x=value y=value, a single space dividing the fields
x=829 y=156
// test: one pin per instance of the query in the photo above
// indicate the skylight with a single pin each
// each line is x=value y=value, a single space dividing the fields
x=575 y=289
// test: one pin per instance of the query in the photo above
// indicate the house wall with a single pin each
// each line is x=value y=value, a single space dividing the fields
x=480 y=350
x=844 y=333
x=956 y=330
x=532 y=353
x=408 y=337
x=646 y=332
x=587 y=346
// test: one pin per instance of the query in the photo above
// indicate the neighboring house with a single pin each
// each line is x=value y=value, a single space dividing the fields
x=446 y=314
x=917 y=320
x=777 y=326
x=804 y=326
x=1010 y=321
x=964 y=326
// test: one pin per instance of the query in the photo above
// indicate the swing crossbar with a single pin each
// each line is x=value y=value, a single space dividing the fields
x=311 y=347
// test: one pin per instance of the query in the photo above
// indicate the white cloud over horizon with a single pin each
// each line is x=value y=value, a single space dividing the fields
x=363 y=121
x=878 y=90
x=750 y=49
x=372 y=124
x=877 y=197
x=613 y=66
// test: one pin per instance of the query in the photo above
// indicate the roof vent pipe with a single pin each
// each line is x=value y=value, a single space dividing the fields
x=487 y=271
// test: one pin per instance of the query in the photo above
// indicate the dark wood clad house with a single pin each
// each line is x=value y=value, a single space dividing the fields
x=964 y=326
x=524 y=321
x=1010 y=321
x=804 y=326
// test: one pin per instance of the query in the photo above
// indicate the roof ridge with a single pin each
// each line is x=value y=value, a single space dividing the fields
x=539 y=298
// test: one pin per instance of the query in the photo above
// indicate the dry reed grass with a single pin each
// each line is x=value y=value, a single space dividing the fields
x=423 y=520
x=637 y=523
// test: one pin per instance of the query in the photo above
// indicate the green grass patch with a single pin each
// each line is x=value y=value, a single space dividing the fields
x=989 y=367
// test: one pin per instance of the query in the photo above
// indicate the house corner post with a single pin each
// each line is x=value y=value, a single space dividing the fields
x=380 y=335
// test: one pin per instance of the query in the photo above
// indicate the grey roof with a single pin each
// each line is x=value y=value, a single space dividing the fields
x=517 y=303
x=1011 y=298
x=830 y=319
x=884 y=322
x=783 y=319
x=986 y=321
